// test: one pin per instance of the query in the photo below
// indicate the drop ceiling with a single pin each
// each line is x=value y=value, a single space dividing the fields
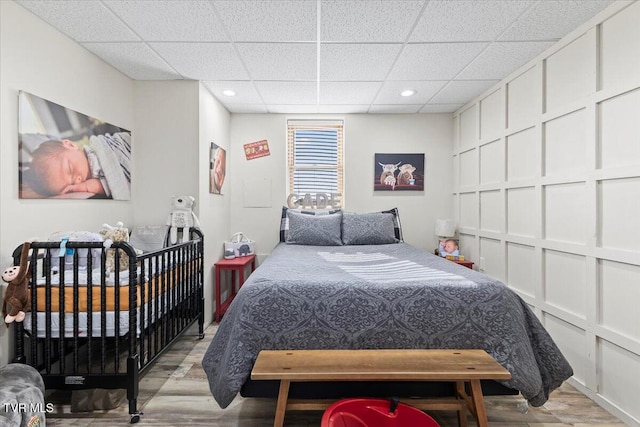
x=321 y=56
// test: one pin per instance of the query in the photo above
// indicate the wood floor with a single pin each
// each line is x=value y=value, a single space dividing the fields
x=175 y=392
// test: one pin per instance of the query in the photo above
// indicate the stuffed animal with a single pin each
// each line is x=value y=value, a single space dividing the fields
x=181 y=218
x=16 y=297
x=115 y=234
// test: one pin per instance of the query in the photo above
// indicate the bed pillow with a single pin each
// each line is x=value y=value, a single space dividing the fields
x=397 y=228
x=368 y=229
x=284 y=220
x=314 y=230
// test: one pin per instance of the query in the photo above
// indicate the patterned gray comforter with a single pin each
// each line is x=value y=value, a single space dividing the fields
x=383 y=296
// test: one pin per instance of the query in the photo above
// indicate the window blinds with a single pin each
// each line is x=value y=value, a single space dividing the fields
x=315 y=156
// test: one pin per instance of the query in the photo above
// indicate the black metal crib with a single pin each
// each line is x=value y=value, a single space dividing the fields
x=90 y=327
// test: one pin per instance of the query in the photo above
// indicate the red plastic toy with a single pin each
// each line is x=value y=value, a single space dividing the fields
x=374 y=413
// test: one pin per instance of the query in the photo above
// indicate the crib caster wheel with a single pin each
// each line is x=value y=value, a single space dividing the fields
x=135 y=417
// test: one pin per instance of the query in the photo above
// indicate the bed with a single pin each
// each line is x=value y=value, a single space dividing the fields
x=92 y=327
x=377 y=296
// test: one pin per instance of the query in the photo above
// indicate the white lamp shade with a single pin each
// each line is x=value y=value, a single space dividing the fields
x=445 y=227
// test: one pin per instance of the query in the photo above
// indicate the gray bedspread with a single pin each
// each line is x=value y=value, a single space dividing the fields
x=384 y=296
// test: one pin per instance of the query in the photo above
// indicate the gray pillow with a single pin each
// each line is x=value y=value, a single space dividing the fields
x=284 y=221
x=368 y=229
x=314 y=230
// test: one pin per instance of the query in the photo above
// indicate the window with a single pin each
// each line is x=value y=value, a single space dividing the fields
x=315 y=160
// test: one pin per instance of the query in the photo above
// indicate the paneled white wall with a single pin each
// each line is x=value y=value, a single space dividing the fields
x=547 y=195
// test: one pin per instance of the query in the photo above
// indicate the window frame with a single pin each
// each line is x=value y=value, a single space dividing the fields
x=311 y=124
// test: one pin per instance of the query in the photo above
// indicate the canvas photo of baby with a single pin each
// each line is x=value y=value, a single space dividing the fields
x=66 y=154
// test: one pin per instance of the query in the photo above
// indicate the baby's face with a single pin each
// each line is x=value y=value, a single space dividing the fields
x=450 y=247
x=72 y=167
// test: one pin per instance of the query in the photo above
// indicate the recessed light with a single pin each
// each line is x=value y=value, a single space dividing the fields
x=228 y=92
x=409 y=92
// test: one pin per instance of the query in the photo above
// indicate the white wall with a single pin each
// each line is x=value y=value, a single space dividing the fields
x=365 y=135
x=38 y=59
x=548 y=195
x=214 y=209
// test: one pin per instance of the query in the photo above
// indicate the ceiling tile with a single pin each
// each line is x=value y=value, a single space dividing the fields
x=246 y=93
x=246 y=108
x=390 y=92
x=135 y=60
x=203 y=61
x=343 y=109
x=279 y=61
x=434 y=61
x=553 y=19
x=466 y=20
x=292 y=109
x=368 y=20
x=394 y=109
x=170 y=20
x=462 y=91
x=82 y=20
x=359 y=62
x=348 y=93
x=269 y=21
x=501 y=58
x=440 y=108
x=288 y=93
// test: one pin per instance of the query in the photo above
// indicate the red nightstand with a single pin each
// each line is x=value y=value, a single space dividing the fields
x=468 y=264
x=238 y=264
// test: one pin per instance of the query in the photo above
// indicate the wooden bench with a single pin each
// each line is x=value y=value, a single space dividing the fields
x=459 y=366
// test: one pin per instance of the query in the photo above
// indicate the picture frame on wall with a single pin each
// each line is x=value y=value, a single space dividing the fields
x=217 y=168
x=398 y=172
x=64 y=154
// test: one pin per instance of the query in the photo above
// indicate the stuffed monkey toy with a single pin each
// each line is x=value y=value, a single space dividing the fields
x=16 y=297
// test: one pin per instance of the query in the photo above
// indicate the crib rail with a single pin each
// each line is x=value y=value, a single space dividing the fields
x=93 y=327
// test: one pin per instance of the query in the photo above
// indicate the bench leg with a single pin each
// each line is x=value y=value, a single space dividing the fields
x=462 y=412
x=478 y=404
x=281 y=406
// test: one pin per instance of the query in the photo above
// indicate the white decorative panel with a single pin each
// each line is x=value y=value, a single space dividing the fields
x=492 y=115
x=620 y=209
x=467 y=246
x=618 y=372
x=565 y=281
x=571 y=342
x=468 y=168
x=491 y=211
x=565 y=206
x=468 y=210
x=620 y=130
x=619 y=290
x=521 y=268
x=492 y=252
x=491 y=163
x=620 y=51
x=524 y=96
x=565 y=144
x=521 y=155
x=521 y=208
x=469 y=127
x=571 y=72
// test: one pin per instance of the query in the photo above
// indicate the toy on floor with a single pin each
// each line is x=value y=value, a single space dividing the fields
x=181 y=218
x=16 y=297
